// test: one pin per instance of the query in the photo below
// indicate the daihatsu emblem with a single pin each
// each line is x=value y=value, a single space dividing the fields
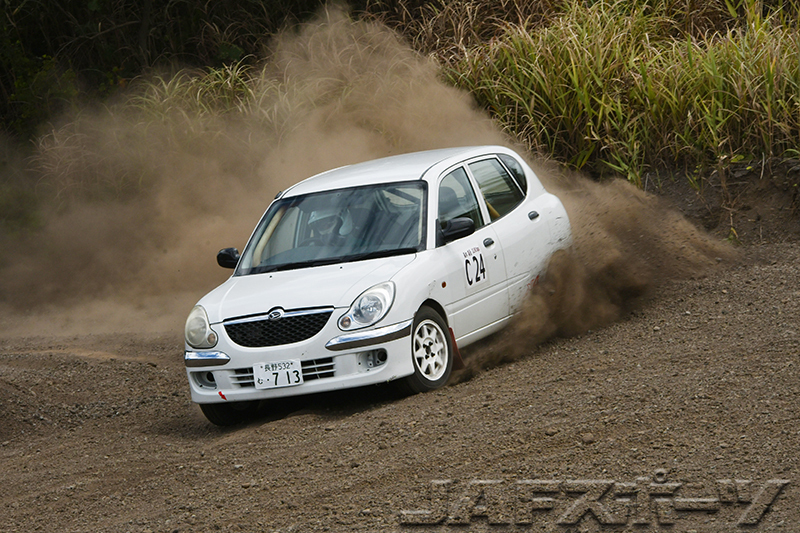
x=276 y=314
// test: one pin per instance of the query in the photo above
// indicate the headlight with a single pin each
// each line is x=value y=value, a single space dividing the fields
x=371 y=306
x=198 y=331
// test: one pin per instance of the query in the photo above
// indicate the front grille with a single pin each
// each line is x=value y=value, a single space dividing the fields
x=314 y=369
x=243 y=377
x=318 y=369
x=293 y=326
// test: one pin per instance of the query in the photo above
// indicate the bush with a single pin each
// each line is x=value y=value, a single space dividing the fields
x=622 y=87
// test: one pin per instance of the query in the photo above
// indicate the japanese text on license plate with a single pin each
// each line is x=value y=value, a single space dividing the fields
x=278 y=374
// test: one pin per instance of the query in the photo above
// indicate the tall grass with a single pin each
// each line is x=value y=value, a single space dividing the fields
x=622 y=87
x=605 y=86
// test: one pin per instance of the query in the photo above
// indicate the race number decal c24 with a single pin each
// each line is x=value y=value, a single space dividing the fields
x=474 y=269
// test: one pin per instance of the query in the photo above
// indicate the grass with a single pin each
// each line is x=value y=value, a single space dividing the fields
x=622 y=87
x=609 y=87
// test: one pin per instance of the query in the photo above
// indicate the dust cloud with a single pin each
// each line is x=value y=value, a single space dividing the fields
x=139 y=198
x=140 y=194
x=625 y=243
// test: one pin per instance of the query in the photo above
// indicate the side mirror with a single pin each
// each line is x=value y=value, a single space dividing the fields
x=228 y=258
x=457 y=228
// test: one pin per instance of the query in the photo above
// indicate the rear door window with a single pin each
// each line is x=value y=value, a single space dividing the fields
x=501 y=192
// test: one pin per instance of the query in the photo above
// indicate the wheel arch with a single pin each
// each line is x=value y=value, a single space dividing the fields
x=436 y=306
x=458 y=362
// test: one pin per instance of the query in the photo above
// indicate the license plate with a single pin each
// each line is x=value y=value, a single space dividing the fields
x=278 y=374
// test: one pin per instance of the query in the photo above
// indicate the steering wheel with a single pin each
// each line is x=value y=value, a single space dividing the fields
x=312 y=240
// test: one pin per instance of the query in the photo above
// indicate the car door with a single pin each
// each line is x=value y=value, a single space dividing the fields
x=522 y=233
x=476 y=291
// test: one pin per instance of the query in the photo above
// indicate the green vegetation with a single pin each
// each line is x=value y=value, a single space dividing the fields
x=623 y=87
x=620 y=87
x=51 y=49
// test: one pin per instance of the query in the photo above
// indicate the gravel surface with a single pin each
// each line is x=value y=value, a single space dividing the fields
x=682 y=416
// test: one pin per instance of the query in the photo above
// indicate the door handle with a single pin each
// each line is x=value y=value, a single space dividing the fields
x=487 y=242
x=533 y=215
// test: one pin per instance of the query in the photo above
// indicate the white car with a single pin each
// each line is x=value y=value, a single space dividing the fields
x=372 y=273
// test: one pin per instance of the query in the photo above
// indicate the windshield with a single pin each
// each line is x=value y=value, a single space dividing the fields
x=338 y=226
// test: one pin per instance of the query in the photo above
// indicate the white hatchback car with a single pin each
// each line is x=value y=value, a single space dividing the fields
x=371 y=273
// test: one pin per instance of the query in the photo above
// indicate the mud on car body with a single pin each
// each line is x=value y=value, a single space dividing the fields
x=372 y=273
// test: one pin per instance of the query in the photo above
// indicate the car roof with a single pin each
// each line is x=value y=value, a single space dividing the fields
x=405 y=167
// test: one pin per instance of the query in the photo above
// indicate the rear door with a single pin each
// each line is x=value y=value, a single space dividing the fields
x=521 y=231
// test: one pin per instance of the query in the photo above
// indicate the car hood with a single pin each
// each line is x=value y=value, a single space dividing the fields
x=323 y=286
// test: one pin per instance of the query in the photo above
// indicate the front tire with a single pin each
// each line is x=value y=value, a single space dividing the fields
x=431 y=352
x=229 y=414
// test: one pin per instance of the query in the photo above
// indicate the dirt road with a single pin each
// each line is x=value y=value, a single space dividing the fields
x=683 y=417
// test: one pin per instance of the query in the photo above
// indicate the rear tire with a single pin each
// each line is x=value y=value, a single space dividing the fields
x=431 y=352
x=229 y=414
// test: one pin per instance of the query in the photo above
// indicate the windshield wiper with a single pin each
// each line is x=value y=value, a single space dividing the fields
x=296 y=264
x=332 y=260
x=379 y=253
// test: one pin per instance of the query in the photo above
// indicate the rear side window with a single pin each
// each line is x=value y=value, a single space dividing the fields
x=499 y=190
x=516 y=170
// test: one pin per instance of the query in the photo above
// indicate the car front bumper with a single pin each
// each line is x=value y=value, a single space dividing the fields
x=345 y=361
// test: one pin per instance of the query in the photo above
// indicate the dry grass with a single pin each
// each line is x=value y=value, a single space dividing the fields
x=622 y=87
x=608 y=87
